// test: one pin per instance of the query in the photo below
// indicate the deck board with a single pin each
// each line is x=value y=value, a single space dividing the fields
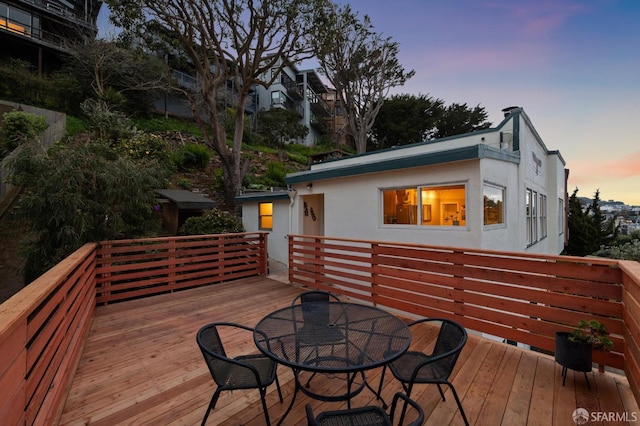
x=141 y=365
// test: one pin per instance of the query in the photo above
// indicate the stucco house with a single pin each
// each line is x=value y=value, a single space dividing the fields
x=499 y=188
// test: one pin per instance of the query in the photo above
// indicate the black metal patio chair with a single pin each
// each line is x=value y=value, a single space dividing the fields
x=366 y=416
x=416 y=367
x=242 y=372
x=314 y=332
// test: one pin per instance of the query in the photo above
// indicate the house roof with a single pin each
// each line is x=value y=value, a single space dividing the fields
x=395 y=159
x=187 y=200
x=262 y=196
x=473 y=152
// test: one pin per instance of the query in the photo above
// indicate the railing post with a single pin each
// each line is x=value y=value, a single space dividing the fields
x=264 y=254
x=317 y=267
x=171 y=259
x=375 y=262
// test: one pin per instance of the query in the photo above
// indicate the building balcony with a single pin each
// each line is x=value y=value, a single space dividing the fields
x=107 y=336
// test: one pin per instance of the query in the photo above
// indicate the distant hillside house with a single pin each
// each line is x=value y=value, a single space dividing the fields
x=301 y=91
x=498 y=188
x=42 y=32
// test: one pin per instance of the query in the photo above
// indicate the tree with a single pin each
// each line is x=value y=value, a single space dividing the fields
x=237 y=43
x=589 y=230
x=361 y=65
x=118 y=75
x=405 y=119
x=280 y=125
x=580 y=229
x=457 y=119
x=82 y=193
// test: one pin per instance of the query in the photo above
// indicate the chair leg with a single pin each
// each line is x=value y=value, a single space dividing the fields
x=279 y=391
x=384 y=370
x=263 y=392
x=441 y=393
x=455 y=395
x=212 y=405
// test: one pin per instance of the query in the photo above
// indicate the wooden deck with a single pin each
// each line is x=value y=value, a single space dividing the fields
x=141 y=365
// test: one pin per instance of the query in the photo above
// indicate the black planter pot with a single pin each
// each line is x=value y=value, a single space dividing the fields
x=574 y=355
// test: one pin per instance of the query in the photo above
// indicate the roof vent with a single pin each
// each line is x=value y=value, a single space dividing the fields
x=508 y=110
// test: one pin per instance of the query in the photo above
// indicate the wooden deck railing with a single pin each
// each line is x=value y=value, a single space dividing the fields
x=43 y=327
x=523 y=298
x=518 y=297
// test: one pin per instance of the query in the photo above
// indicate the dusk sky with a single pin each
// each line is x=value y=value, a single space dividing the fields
x=572 y=65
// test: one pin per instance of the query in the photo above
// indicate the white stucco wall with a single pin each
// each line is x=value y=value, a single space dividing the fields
x=278 y=245
x=351 y=206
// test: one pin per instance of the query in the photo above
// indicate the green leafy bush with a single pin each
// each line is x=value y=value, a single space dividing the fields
x=143 y=146
x=19 y=127
x=192 y=157
x=276 y=173
x=78 y=193
x=627 y=251
x=214 y=221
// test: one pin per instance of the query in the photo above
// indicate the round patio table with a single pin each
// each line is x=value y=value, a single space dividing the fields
x=332 y=338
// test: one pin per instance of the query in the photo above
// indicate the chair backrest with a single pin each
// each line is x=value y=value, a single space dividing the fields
x=210 y=344
x=451 y=339
x=315 y=296
x=317 y=314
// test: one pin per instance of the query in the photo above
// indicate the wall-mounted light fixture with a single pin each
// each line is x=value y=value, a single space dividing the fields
x=309 y=186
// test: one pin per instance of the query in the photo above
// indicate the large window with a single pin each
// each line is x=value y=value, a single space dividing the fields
x=18 y=21
x=265 y=216
x=493 y=204
x=425 y=206
x=533 y=216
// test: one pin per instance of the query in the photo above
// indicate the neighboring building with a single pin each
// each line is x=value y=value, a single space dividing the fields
x=302 y=92
x=337 y=121
x=41 y=32
x=498 y=188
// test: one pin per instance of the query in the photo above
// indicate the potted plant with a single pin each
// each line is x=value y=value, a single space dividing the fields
x=453 y=218
x=574 y=349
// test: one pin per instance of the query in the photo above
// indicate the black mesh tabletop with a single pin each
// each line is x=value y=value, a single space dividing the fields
x=332 y=337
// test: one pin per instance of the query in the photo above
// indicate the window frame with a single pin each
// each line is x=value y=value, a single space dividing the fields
x=261 y=216
x=421 y=212
x=503 y=215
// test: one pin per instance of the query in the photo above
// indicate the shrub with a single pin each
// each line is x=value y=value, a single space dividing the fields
x=19 y=127
x=276 y=173
x=627 y=251
x=79 y=193
x=192 y=157
x=144 y=146
x=212 y=222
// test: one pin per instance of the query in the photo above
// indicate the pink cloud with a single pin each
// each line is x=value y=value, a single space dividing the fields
x=588 y=171
x=539 y=18
x=629 y=166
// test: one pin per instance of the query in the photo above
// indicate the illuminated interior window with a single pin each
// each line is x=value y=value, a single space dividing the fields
x=426 y=206
x=265 y=218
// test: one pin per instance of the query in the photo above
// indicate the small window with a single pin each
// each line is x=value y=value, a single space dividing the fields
x=277 y=98
x=265 y=218
x=542 y=215
x=493 y=204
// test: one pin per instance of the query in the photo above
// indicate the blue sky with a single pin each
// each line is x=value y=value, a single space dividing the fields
x=573 y=65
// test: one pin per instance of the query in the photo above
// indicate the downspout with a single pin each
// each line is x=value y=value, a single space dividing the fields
x=292 y=200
